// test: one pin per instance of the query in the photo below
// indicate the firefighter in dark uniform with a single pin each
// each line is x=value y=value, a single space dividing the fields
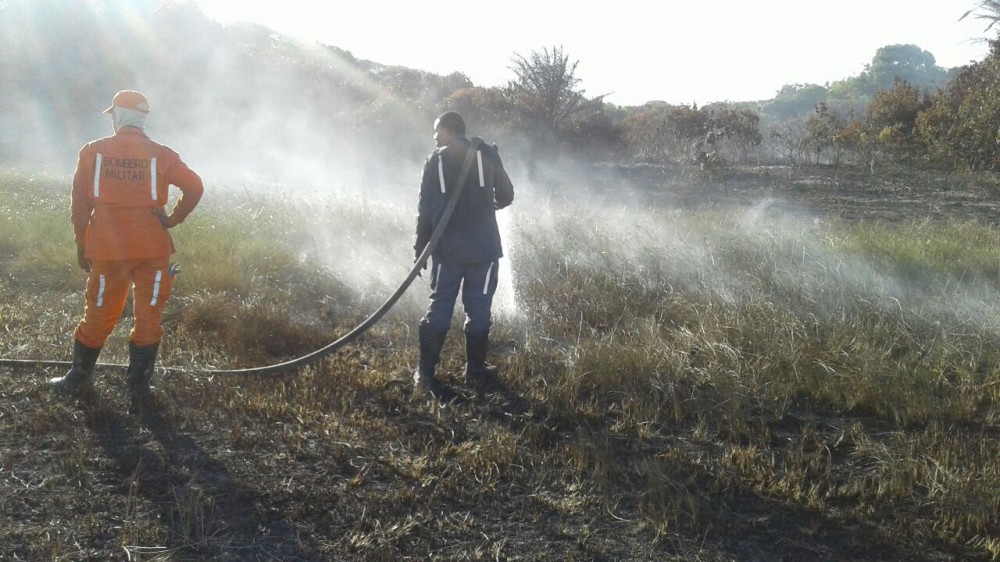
x=466 y=257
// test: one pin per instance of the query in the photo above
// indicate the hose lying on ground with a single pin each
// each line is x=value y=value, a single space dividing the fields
x=330 y=348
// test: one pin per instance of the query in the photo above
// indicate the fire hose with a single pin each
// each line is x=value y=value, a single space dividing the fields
x=332 y=347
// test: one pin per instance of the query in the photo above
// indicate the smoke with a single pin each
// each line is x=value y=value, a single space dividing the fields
x=739 y=256
x=240 y=103
x=253 y=111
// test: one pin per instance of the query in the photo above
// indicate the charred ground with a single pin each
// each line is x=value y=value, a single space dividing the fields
x=598 y=449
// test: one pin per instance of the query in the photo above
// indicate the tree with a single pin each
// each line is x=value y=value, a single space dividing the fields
x=796 y=100
x=545 y=90
x=960 y=126
x=686 y=124
x=595 y=134
x=487 y=107
x=644 y=132
x=908 y=63
x=660 y=132
x=663 y=132
x=785 y=139
x=855 y=139
x=989 y=11
x=821 y=129
x=736 y=130
x=892 y=117
x=421 y=88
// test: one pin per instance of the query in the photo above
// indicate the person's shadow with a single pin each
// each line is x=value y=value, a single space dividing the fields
x=206 y=512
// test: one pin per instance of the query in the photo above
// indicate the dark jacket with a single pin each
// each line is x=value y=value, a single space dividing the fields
x=471 y=235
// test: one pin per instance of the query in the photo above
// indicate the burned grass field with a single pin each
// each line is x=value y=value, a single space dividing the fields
x=723 y=381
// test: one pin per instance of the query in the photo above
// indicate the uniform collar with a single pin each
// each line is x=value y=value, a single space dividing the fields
x=457 y=141
x=132 y=131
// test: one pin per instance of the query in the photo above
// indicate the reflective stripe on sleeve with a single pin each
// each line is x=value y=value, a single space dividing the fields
x=97 y=175
x=152 y=175
x=441 y=172
x=100 y=291
x=156 y=288
x=437 y=275
x=489 y=272
x=479 y=161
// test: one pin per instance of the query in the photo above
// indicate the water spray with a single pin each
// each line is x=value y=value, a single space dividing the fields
x=332 y=347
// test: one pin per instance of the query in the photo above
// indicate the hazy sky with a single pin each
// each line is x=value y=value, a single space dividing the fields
x=636 y=51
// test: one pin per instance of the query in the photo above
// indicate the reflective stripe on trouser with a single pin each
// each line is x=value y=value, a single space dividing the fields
x=478 y=282
x=107 y=291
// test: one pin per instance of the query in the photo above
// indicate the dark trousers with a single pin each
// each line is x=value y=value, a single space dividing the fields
x=478 y=282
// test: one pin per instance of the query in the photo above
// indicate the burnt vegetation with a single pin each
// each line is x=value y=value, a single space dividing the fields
x=758 y=331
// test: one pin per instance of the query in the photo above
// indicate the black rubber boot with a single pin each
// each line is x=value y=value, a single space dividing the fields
x=478 y=373
x=424 y=383
x=81 y=374
x=141 y=361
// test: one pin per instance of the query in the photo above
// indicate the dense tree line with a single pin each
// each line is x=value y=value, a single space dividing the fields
x=895 y=118
x=62 y=59
x=955 y=126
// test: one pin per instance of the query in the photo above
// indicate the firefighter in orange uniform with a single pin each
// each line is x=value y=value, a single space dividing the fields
x=122 y=239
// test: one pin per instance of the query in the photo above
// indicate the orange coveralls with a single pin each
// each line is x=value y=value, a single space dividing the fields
x=120 y=183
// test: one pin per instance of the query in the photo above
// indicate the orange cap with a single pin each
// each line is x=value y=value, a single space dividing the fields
x=129 y=99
